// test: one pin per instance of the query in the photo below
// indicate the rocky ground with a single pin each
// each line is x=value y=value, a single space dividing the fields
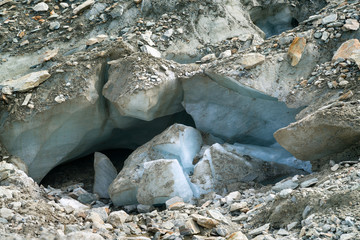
x=83 y=76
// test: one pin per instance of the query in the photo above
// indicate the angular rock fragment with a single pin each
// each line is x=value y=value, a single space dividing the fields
x=41 y=7
x=27 y=82
x=296 y=50
x=347 y=49
x=82 y=6
x=351 y=24
x=151 y=51
x=163 y=179
x=105 y=173
x=204 y=221
x=251 y=60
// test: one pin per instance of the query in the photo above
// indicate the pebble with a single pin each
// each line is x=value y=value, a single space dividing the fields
x=41 y=7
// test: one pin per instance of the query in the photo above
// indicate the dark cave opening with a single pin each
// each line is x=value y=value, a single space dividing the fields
x=274 y=19
x=81 y=170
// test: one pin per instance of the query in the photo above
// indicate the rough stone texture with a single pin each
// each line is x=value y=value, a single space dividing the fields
x=251 y=60
x=163 y=179
x=296 y=50
x=105 y=173
x=326 y=131
x=346 y=49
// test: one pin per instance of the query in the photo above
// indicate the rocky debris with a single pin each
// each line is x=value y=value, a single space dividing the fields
x=105 y=173
x=51 y=121
x=263 y=213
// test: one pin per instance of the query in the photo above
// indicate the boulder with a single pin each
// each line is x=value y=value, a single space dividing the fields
x=177 y=142
x=223 y=165
x=105 y=173
x=328 y=130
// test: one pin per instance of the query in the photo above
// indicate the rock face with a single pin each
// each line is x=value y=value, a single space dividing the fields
x=328 y=130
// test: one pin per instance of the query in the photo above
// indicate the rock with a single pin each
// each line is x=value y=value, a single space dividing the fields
x=321 y=133
x=83 y=235
x=147 y=99
x=296 y=50
x=173 y=201
x=237 y=236
x=348 y=236
x=161 y=180
x=335 y=167
x=285 y=193
x=208 y=58
x=204 y=221
x=141 y=208
x=351 y=24
x=87 y=198
x=20 y=164
x=289 y=184
x=27 y=82
x=251 y=60
x=82 y=6
x=355 y=56
x=238 y=206
x=346 y=49
x=283 y=232
x=189 y=228
x=41 y=7
x=329 y=19
x=117 y=218
x=69 y=202
x=225 y=54
x=105 y=173
x=217 y=216
x=229 y=164
x=151 y=51
x=5 y=193
x=260 y=230
x=309 y=183
x=178 y=140
x=6 y=213
x=54 y=25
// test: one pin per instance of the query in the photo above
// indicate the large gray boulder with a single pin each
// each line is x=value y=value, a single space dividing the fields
x=330 y=129
x=177 y=142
